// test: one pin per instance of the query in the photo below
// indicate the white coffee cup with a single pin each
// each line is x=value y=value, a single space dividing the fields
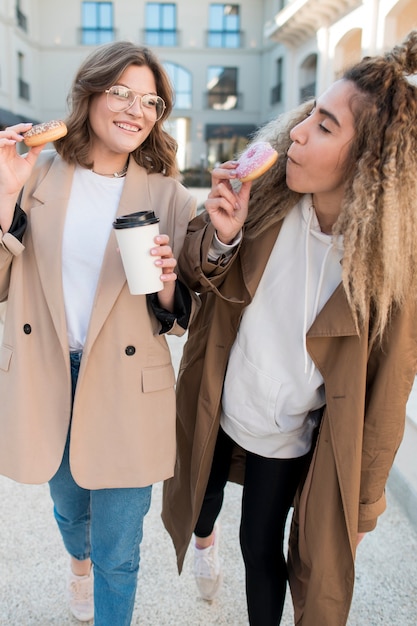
x=135 y=237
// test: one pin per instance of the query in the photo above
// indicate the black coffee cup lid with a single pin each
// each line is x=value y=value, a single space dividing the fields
x=140 y=218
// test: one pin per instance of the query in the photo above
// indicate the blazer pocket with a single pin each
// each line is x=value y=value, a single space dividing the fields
x=158 y=378
x=5 y=356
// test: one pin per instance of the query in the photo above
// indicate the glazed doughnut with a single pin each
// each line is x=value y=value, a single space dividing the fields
x=255 y=161
x=42 y=133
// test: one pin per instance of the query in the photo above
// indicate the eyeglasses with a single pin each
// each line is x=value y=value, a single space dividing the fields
x=120 y=98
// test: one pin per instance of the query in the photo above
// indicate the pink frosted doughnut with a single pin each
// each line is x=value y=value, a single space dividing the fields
x=255 y=161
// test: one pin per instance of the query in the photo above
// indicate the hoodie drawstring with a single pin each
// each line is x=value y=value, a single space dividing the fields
x=306 y=292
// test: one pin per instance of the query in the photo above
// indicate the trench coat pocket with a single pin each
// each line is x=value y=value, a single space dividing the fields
x=158 y=378
x=5 y=356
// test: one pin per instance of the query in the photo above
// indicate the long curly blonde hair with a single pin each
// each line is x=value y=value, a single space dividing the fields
x=378 y=215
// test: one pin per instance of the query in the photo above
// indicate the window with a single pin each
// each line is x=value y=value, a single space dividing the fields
x=224 y=26
x=97 y=23
x=222 y=88
x=161 y=24
x=308 y=71
x=181 y=81
x=23 y=86
x=276 y=91
x=226 y=141
x=22 y=21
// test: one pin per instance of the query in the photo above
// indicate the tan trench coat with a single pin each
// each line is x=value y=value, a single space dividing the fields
x=123 y=425
x=362 y=426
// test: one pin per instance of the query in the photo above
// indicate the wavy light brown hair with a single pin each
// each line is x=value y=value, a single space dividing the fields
x=378 y=216
x=102 y=69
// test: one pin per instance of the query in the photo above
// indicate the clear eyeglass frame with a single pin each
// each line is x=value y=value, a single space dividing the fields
x=121 y=98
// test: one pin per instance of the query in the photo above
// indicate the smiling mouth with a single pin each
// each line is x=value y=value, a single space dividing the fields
x=129 y=127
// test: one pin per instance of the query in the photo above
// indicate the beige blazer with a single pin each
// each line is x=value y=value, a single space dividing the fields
x=123 y=422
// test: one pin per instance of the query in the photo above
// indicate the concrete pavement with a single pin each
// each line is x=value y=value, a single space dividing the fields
x=33 y=567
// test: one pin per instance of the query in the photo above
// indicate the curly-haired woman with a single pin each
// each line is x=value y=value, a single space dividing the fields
x=302 y=357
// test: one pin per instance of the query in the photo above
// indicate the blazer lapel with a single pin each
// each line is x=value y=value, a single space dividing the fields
x=47 y=217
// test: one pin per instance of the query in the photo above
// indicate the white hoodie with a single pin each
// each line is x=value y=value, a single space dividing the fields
x=271 y=383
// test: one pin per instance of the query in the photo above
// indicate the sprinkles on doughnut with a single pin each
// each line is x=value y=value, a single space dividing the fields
x=255 y=161
x=42 y=133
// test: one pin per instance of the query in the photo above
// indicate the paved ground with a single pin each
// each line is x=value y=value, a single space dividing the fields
x=33 y=568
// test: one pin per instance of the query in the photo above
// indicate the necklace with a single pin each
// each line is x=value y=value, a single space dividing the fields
x=119 y=174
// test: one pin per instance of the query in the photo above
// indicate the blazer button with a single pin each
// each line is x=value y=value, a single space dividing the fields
x=130 y=350
x=27 y=329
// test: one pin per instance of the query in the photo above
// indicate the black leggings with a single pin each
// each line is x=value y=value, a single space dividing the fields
x=268 y=492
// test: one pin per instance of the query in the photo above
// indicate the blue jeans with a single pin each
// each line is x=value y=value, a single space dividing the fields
x=107 y=526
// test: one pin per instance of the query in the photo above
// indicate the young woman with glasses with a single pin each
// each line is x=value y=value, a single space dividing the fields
x=304 y=351
x=86 y=380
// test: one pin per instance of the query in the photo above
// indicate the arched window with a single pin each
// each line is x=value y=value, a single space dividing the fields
x=182 y=82
x=308 y=72
x=348 y=51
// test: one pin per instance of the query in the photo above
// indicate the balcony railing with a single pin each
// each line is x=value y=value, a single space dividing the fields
x=296 y=22
x=158 y=37
x=224 y=39
x=95 y=36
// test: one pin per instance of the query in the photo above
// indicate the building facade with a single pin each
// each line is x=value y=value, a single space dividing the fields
x=233 y=66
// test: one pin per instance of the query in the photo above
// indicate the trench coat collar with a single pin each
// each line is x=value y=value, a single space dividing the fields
x=334 y=320
x=47 y=222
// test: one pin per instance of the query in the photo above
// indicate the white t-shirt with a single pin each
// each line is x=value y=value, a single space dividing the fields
x=271 y=383
x=91 y=210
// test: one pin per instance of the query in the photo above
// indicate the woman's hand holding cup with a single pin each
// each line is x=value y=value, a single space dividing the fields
x=167 y=263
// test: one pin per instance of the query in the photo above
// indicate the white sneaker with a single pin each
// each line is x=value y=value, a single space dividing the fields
x=207 y=568
x=81 y=596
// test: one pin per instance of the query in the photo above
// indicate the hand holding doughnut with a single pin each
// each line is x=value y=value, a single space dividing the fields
x=227 y=207
x=41 y=134
x=15 y=169
x=255 y=161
